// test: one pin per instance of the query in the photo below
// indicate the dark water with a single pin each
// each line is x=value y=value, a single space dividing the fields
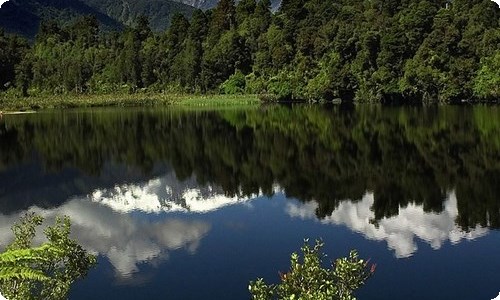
x=195 y=204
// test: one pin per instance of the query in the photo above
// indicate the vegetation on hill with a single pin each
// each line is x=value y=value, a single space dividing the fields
x=208 y=4
x=367 y=51
x=23 y=17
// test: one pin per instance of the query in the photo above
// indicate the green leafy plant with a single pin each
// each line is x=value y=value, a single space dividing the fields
x=234 y=85
x=46 y=271
x=309 y=280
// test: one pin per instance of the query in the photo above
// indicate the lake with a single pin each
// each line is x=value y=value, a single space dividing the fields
x=195 y=203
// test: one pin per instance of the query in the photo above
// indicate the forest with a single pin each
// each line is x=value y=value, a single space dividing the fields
x=381 y=51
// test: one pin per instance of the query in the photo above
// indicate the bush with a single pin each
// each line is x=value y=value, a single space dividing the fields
x=235 y=84
x=255 y=84
x=487 y=81
x=309 y=280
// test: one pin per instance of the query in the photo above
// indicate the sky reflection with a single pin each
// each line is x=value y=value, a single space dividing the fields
x=398 y=231
x=126 y=240
x=114 y=222
x=166 y=194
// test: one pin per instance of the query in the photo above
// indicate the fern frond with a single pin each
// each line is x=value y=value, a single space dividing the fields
x=43 y=253
x=21 y=272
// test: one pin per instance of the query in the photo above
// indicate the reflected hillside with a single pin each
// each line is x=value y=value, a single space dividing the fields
x=402 y=156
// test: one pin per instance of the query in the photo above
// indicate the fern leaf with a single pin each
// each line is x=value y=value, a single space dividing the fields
x=31 y=255
x=21 y=272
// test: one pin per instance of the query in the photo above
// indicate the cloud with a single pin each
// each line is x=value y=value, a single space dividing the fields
x=2 y=2
x=125 y=240
x=164 y=194
x=497 y=2
x=104 y=222
x=398 y=231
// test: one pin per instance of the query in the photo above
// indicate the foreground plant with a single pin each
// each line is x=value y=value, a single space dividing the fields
x=309 y=280
x=44 y=272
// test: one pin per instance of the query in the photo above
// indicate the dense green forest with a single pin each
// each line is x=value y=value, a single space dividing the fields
x=411 y=155
x=366 y=51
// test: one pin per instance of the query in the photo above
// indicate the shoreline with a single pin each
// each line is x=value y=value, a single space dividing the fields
x=12 y=105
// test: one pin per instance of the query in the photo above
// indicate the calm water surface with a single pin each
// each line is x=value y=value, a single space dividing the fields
x=194 y=204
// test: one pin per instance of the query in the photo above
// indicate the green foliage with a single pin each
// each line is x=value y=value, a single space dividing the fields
x=308 y=279
x=365 y=51
x=487 y=81
x=234 y=85
x=44 y=272
x=12 y=51
x=255 y=84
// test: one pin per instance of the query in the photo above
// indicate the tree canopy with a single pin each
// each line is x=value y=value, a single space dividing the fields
x=366 y=51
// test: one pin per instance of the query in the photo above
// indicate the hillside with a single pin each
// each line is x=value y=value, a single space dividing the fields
x=368 y=51
x=23 y=16
x=208 y=4
x=126 y=12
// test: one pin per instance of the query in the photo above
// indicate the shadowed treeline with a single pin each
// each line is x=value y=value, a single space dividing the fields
x=328 y=154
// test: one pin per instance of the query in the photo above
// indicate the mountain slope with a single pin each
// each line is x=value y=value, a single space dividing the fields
x=208 y=4
x=24 y=16
x=126 y=11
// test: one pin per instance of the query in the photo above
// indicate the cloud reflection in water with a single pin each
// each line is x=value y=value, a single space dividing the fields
x=104 y=222
x=164 y=194
x=398 y=231
x=126 y=240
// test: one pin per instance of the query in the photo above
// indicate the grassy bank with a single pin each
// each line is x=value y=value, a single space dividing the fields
x=9 y=103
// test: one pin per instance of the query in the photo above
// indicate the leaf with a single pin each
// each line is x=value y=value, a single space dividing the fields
x=21 y=272
x=43 y=253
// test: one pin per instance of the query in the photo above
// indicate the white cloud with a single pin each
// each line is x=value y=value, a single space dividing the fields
x=103 y=221
x=497 y=2
x=126 y=241
x=162 y=194
x=2 y=2
x=398 y=231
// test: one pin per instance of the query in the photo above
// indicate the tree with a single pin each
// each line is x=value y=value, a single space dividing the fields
x=487 y=81
x=44 y=272
x=173 y=43
x=396 y=50
x=190 y=59
x=12 y=51
x=223 y=18
x=309 y=280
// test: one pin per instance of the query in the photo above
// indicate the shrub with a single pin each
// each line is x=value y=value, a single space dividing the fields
x=44 y=272
x=309 y=280
x=235 y=84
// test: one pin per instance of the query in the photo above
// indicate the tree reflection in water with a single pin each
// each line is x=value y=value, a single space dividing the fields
x=403 y=156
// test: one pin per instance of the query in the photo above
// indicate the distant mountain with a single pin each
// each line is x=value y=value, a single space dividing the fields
x=207 y=4
x=201 y=4
x=126 y=12
x=24 y=16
